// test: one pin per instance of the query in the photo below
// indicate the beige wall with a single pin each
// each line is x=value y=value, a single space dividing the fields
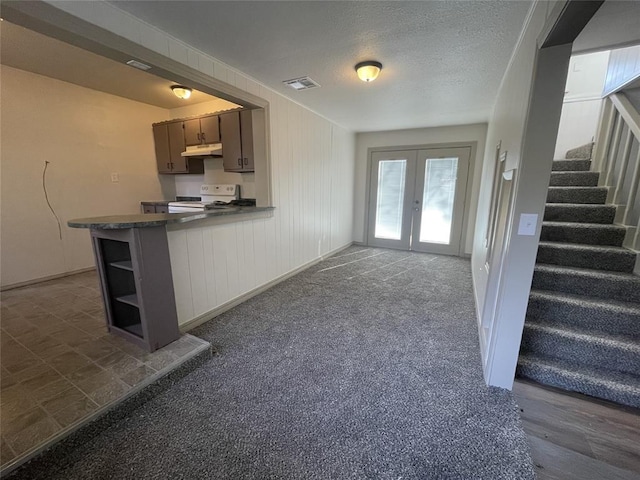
x=85 y=135
x=414 y=137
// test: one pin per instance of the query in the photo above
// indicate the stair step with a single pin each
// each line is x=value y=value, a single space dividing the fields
x=599 y=316
x=623 y=287
x=596 y=382
x=583 y=151
x=596 y=257
x=574 y=179
x=571 y=165
x=591 y=195
x=579 y=213
x=602 y=351
x=583 y=233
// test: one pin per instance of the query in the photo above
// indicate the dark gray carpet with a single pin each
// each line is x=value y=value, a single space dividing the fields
x=365 y=366
x=582 y=330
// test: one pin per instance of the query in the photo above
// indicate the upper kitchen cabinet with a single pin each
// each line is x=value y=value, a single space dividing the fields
x=203 y=130
x=170 y=143
x=236 y=132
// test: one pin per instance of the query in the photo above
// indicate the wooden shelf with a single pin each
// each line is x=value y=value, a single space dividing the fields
x=129 y=300
x=124 y=265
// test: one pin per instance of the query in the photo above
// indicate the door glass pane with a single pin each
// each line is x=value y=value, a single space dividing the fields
x=391 y=179
x=437 y=200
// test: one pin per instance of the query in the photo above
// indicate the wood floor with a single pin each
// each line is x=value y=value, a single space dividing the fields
x=576 y=437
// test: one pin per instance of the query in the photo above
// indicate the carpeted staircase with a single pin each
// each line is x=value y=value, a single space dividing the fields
x=582 y=331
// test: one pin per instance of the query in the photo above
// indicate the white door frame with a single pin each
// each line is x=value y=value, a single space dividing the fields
x=466 y=214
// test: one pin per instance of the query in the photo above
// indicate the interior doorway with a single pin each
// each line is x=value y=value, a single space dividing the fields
x=417 y=197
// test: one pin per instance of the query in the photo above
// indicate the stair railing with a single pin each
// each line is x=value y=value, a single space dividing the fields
x=617 y=157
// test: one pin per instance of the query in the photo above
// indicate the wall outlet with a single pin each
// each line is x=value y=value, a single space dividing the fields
x=115 y=177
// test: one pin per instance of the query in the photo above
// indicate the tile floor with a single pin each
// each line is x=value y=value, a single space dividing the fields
x=59 y=364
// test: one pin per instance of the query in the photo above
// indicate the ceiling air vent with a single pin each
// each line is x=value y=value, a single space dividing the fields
x=302 y=83
x=139 y=65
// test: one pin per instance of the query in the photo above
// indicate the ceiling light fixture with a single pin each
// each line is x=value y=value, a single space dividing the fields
x=181 y=92
x=368 y=71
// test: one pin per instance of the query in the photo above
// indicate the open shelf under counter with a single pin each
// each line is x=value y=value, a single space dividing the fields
x=123 y=265
x=136 y=283
x=129 y=300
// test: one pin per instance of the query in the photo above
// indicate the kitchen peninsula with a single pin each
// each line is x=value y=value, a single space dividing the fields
x=137 y=257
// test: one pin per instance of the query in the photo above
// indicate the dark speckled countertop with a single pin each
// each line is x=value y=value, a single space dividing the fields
x=147 y=220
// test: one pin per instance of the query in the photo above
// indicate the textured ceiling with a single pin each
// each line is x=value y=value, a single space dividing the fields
x=443 y=61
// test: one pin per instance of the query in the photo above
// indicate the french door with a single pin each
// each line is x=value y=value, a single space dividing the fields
x=416 y=199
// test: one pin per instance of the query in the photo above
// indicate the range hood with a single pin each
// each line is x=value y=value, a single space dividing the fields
x=211 y=150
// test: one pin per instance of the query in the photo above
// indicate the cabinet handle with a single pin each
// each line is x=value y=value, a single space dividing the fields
x=198 y=135
x=240 y=161
x=168 y=165
x=203 y=140
x=246 y=161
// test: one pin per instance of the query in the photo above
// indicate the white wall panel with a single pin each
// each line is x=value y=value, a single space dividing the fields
x=578 y=125
x=181 y=273
x=624 y=67
x=195 y=252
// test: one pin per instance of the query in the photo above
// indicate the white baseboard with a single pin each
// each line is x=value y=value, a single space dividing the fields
x=45 y=279
x=211 y=314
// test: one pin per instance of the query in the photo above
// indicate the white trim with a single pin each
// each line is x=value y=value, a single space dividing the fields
x=525 y=27
x=581 y=98
x=4 y=288
x=627 y=112
x=211 y=314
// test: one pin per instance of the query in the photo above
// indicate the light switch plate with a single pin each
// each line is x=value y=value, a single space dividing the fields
x=528 y=224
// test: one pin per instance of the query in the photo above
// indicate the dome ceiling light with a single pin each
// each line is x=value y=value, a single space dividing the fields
x=368 y=71
x=181 y=91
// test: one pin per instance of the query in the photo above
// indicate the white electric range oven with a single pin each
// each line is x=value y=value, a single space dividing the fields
x=216 y=194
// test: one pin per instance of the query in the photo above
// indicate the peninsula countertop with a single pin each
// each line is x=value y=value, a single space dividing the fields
x=115 y=222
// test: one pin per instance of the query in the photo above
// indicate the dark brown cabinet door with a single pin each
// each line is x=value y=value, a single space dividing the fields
x=192 y=135
x=210 y=129
x=202 y=130
x=246 y=135
x=231 y=141
x=170 y=143
x=163 y=152
x=177 y=146
x=236 y=134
